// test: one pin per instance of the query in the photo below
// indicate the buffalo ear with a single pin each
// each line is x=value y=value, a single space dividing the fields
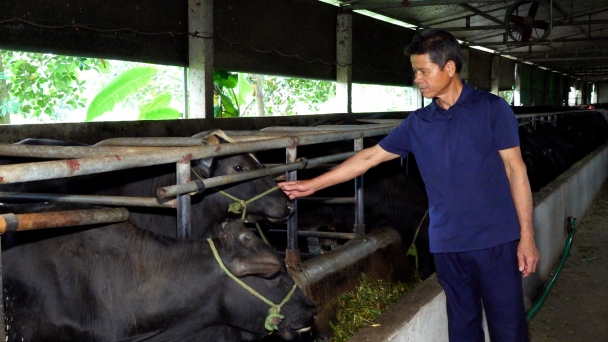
x=202 y=167
x=263 y=264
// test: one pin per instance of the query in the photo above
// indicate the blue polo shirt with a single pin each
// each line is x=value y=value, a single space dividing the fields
x=470 y=203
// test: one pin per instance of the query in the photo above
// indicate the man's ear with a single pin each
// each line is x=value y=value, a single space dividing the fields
x=450 y=67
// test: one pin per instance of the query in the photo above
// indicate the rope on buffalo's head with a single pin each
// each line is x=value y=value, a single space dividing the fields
x=240 y=206
x=274 y=317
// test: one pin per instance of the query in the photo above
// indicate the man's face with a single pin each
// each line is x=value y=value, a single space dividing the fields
x=431 y=80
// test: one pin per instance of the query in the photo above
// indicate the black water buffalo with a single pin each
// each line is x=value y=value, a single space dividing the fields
x=122 y=283
x=548 y=150
x=208 y=209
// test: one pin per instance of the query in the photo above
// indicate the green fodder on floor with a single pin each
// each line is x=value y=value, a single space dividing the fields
x=361 y=307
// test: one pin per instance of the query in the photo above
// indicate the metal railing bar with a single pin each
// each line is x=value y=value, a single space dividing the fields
x=311 y=233
x=153 y=141
x=65 y=152
x=201 y=185
x=20 y=222
x=578 y=111
x=90 y=199
x=329 y=200
x=68 y=168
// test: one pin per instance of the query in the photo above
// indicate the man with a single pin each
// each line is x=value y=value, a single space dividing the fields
x=480 y=204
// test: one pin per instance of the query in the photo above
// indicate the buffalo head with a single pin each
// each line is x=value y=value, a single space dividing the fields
x=272 y=206
x=257 y=265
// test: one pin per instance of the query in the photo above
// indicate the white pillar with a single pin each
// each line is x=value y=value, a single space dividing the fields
x=200 y=59
x=494 y=74
x=517 y=90
x=344 y=58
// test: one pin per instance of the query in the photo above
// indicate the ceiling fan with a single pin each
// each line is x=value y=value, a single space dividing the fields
x=523 y=25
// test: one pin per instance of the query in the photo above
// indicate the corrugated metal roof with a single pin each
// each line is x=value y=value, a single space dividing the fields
x=563 y=35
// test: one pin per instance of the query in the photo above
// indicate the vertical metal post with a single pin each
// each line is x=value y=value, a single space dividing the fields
x=359 y=228
x=184 y=219
x=292 y=254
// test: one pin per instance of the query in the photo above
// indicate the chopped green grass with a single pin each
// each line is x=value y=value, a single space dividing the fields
x=362 y=306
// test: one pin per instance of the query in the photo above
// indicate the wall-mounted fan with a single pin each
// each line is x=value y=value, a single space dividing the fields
x=523 y=25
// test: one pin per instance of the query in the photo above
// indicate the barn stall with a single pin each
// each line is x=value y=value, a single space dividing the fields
x=228 y=53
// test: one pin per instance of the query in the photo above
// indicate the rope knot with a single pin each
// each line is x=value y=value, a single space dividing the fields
x=237 y=207
x=274 y=318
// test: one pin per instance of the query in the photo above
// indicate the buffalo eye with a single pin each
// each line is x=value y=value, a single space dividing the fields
x=238 y=168
x=246 y=237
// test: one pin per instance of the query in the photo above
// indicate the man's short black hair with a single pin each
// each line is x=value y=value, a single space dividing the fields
x=441 y=46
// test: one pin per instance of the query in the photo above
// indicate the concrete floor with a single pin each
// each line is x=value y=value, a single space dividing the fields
x=576 y=308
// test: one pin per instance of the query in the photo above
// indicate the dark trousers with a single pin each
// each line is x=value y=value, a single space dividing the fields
x=489 y=276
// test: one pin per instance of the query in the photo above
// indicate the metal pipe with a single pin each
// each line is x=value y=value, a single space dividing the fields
x=21 y=222
x=75 y=167
x=63 y=152
x=184 y=201
x=327 y=200
x=535 y=115
x=201 y=185
x=293 y=258
x=67 y=168
x=359 y=227
x=90 y=199
x=292 y=222
x=153 y=141
x=310 y=233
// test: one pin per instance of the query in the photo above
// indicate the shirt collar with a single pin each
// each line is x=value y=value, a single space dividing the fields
x=464 y=99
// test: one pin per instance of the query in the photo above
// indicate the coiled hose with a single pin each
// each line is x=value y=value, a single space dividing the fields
x=541 y=300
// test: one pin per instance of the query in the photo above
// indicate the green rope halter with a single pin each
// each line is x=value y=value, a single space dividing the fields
x=274 y=312
x=239 y=205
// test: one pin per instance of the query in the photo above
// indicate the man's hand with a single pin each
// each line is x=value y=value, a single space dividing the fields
x=527 y=255
x=295 y=189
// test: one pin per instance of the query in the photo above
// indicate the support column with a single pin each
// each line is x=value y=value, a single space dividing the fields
x=494 y=75
x=344 y=53
x=200 y=58
x=517 y=91
x=464 y=72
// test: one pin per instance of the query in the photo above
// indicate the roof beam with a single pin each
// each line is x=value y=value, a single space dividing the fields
x=564 y=59
x=481 y=13
x=558 y=40
x=412 y=3
x=502 y=27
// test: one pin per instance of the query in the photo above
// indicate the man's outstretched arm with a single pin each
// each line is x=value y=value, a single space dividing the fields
x=352 y=167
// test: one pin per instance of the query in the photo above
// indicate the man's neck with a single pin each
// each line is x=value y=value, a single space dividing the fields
x=449 y=98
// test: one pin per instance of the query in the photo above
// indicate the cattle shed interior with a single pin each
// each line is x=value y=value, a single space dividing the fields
x=550 y=53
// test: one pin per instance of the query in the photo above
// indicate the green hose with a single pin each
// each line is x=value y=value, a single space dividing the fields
x=542 y=298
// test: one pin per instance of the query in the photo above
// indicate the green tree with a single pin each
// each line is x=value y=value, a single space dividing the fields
x=131 y=83
x=282 y=94
x=44 y=83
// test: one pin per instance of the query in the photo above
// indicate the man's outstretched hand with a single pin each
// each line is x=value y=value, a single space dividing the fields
x=299 y=188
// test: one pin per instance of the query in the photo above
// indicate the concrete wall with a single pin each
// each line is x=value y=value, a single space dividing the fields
x=421 y=316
